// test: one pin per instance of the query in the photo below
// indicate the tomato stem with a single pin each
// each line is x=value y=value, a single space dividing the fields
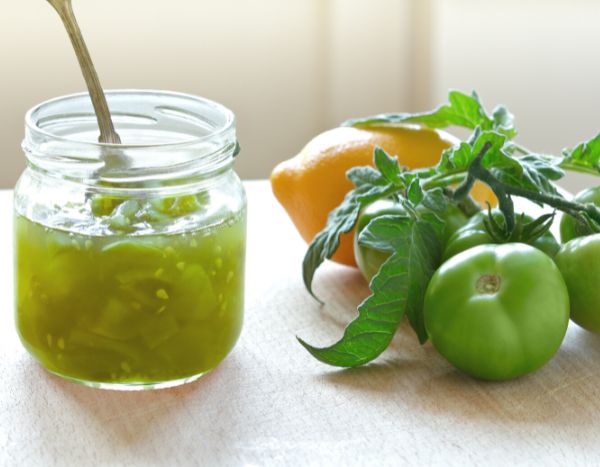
x=504 y=192
x=466 y=179
x=445 y=179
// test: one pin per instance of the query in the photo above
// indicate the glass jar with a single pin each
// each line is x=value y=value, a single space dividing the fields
x=129 y=259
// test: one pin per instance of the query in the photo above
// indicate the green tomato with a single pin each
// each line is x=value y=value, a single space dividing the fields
x=569 y=227
x=497 y=311
x=455 y=219
x=579 y=263
x=370 y=260
x=473 y=233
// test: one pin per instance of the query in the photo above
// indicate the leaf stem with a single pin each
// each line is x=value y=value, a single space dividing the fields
x=504 y=192
x=467 y=204
x=445 y=179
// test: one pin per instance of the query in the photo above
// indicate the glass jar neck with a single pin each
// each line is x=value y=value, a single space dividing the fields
x=169 y=140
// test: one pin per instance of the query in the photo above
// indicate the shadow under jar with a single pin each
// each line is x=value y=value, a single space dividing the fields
x=129 y=259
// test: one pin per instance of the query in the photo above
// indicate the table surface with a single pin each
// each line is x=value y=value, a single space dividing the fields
x=271 y=403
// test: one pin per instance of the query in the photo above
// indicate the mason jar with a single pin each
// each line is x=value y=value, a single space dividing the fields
x=129 y=258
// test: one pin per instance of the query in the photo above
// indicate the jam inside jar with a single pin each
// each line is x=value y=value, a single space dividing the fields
x=129 y=259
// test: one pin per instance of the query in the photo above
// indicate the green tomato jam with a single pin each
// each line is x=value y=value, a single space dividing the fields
x=123 y=309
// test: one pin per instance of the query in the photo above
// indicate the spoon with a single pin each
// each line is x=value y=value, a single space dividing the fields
x=107 y=129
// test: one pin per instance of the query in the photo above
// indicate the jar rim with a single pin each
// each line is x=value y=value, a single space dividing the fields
x=33 y=125
x=166 y=134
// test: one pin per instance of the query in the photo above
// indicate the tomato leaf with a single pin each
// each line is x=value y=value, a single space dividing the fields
x=341 y=220
x=504 y=121
x=371 y=184
x=435 y=200
x=462 y=110
x=388 y=166
x=398 y=288
x=414 y=194
x=460 y=157
x=585 y=155
x=536 y=173
x=365 y=175
x=533 y=171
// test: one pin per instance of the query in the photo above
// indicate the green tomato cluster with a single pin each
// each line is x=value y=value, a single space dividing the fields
x=501 y=311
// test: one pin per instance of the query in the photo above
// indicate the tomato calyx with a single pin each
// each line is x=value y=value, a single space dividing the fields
x=488 y=284
x=524 y=230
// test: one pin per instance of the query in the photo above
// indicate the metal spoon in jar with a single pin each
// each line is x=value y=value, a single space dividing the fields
x=105 y=123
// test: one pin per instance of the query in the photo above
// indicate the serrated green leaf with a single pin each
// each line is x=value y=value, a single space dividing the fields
x=504 y=121
x=365 y=176
x=436 y=222
x=463 y=110
x=456 y=158
x=460 y=157
x=388 y=166
x=414 y=193
x=495 y=156
x=536 y=173
x=398 y=288
x=424 y=258
x=435 y=200
x=408 y=177
x=585 y=155
x=386 y=233
x=341 y=220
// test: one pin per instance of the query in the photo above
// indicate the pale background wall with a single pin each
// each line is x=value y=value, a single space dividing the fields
x=292 y=68
x=538 y=58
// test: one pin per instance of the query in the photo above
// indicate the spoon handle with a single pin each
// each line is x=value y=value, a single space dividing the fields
x=107 y=130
